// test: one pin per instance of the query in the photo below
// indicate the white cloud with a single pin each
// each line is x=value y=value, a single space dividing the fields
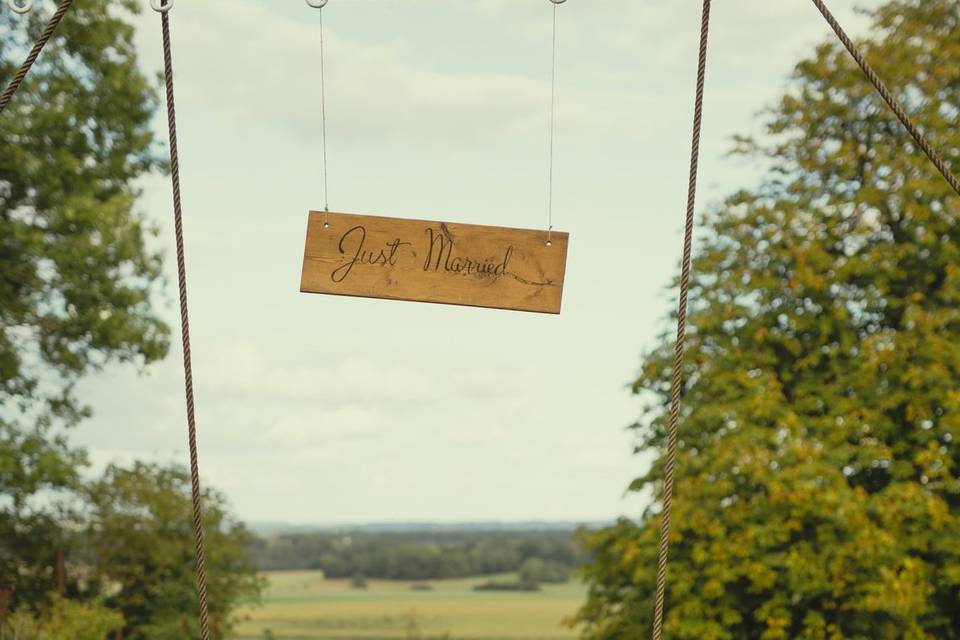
x=246 y=371
x=324 y=426
x=261 y=69
x=331 y=410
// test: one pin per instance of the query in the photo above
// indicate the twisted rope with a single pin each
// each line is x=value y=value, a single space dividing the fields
x=11 y=89
x=891 y=101
x=185 y=330
x=671 y=457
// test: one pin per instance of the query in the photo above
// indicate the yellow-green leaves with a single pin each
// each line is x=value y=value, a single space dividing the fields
x=818 y=478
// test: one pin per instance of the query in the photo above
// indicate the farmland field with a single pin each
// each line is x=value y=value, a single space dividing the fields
x=301 y=605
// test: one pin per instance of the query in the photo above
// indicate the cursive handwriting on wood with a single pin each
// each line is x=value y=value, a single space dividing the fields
x=474 y=265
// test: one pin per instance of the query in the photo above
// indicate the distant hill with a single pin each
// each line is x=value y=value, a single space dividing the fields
x=276 y=528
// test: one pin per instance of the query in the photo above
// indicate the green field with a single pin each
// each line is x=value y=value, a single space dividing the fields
x=300 y=605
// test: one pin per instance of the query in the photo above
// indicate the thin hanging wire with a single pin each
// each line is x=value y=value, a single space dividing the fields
x=185 y=324
x=323 y=121
x=553 y=125
x=21 y=73
x=671 y=457
x=891 y=101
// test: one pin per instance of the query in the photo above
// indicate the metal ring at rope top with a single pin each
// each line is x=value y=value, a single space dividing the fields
x=160 y=6
x=317 y=4
x=20 y=8
x=558 y=1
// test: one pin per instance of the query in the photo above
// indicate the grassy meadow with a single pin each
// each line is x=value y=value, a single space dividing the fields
x=301 y=605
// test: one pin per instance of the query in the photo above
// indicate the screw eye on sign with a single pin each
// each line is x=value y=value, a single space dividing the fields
x=422 y=261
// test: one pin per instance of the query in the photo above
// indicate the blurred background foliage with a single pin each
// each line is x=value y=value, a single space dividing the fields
x=818 y=491
x=77 y=284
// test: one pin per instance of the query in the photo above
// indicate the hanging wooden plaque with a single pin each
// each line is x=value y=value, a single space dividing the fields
x=463 y=264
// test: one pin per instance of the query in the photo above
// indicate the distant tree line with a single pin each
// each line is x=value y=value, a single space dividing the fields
x=543 y=556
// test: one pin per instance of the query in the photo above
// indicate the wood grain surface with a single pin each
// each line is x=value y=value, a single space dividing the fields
x=463 y=264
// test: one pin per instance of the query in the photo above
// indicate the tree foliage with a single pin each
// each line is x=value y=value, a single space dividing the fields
x=141 y=538
x=76 y=272
x=431 y=554
x=818 y=491
x=537 y=570
x=77 y=279
x=64 y=620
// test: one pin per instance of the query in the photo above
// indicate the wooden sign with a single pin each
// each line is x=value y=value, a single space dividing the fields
x=465 y=264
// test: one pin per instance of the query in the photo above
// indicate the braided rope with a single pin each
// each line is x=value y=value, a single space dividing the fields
x=185 y=330
x=11 y=89
x=671 y=457
x=891 y=101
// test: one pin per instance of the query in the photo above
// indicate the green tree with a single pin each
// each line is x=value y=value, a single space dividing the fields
x=141 y=538
x=818 y=491
x=75 y=270
x=536 y=570
x=64 y=620
x=359 y=582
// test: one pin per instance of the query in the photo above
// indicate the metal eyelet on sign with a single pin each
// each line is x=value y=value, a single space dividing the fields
x=20 y=8
x=317 y=4
x=161 y=8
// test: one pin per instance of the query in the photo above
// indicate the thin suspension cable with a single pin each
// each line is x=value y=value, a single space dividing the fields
x=671 y=457
x=891 y=101
x=323 y=120
x=553 y=124
x=11 y=89
x=185 y=328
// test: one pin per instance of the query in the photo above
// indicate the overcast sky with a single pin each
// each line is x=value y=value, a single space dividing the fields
x=329 y=410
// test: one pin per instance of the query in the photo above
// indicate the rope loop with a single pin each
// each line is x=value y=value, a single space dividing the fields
x=558 y=1
x=317 y=4
x=161 y=6
x=20 y=6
